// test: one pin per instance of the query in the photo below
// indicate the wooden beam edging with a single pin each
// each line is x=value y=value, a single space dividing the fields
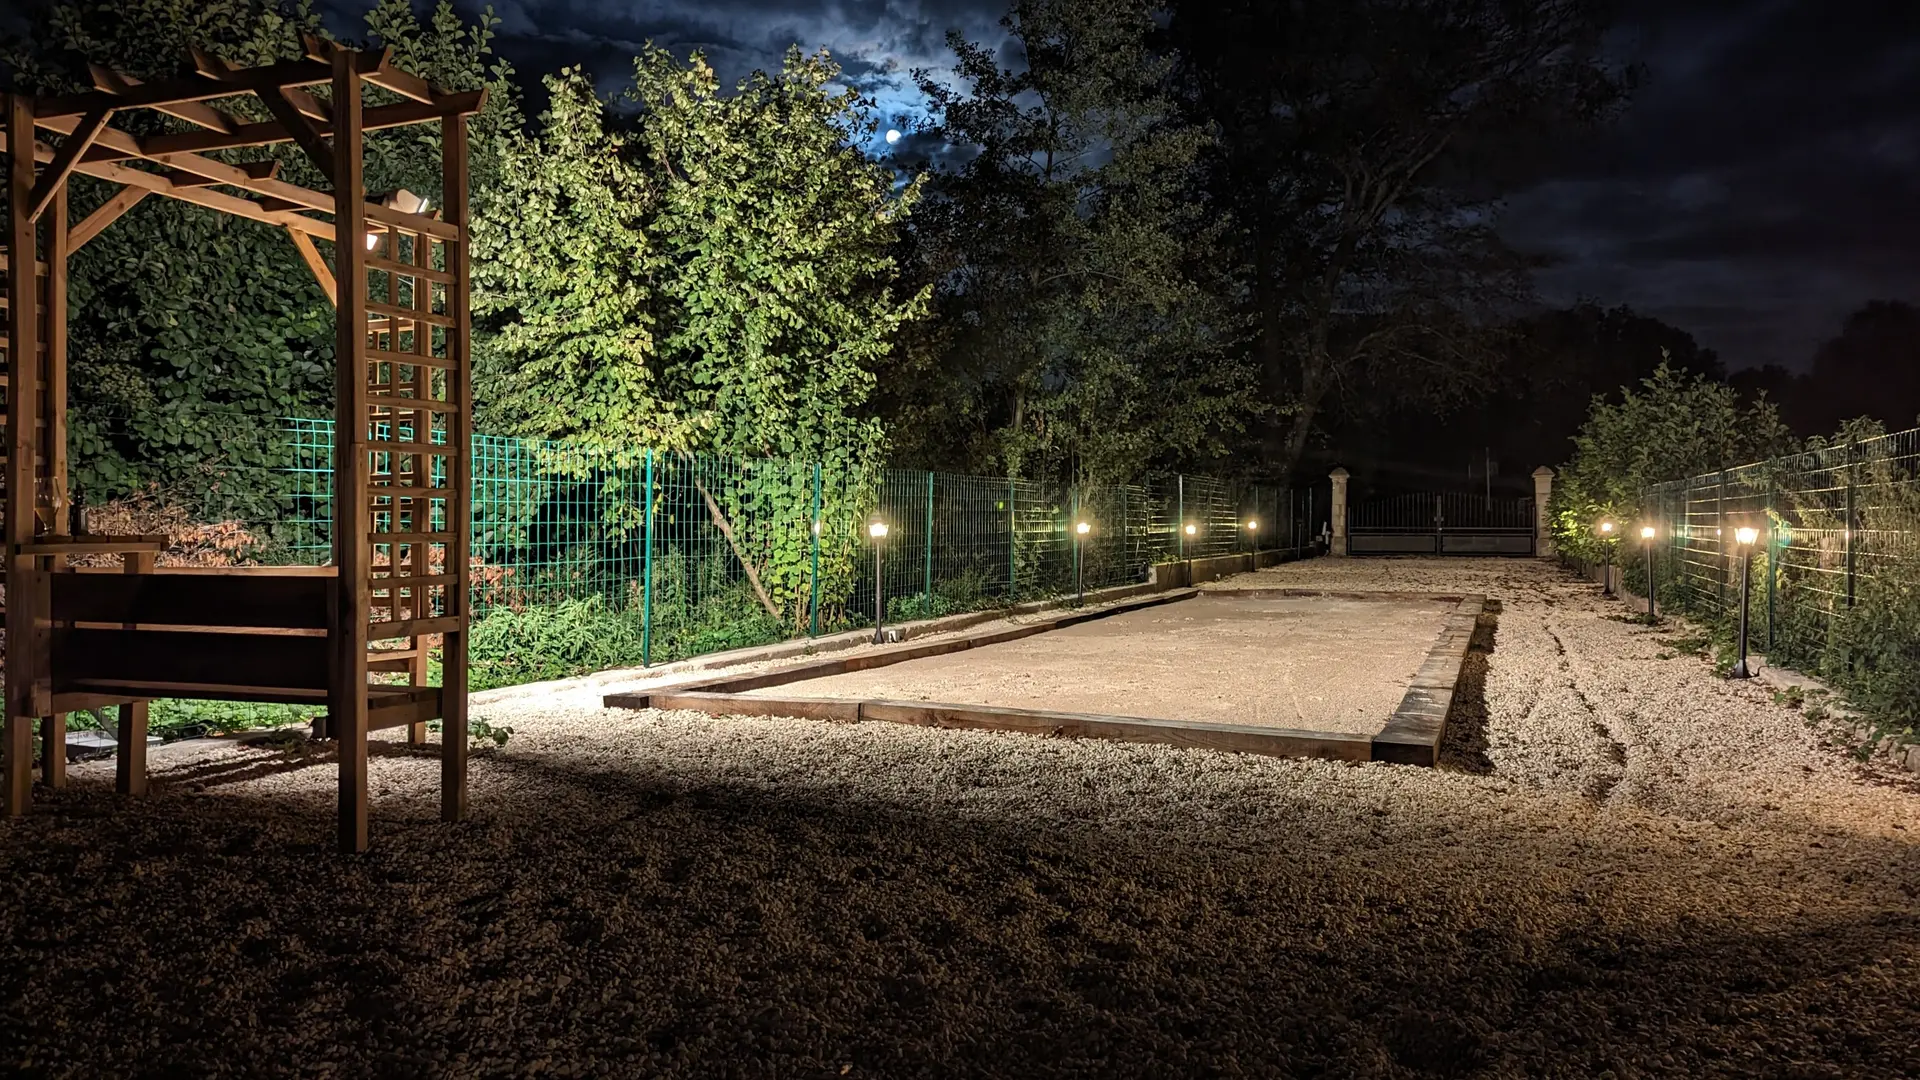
x=1339 y=594
x=1412 y=735
x=1236 y=738
x=820 y=669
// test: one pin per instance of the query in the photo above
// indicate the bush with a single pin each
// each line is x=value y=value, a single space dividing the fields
x=951 y=596
x=507 y=647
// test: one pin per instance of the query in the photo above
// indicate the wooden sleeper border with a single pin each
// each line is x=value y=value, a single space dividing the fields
x=1410 y=736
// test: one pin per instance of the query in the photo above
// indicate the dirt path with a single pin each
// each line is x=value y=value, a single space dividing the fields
x=1633 y=869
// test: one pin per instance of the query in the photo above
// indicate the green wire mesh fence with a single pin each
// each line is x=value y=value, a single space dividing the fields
x=1837 y=546
x=656 y=556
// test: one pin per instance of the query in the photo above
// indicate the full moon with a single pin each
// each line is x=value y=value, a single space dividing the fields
x=893 y=136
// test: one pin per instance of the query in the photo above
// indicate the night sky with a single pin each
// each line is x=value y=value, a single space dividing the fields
x=1765 y=182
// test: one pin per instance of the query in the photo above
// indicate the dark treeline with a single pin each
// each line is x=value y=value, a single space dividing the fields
x=1243 y=237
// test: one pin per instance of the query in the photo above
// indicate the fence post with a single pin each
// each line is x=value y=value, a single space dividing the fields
x=1773 y=550
x=929 y=542
x=1853 y=526
x=1013 y=546
x=813 y=526
x=1337 y=520
x=1073 y=537
x=646 y=590
x=1180 y=514
x=1720 y=538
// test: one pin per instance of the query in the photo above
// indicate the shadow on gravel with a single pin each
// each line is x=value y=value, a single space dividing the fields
x=678 y=916
x=1464 y=747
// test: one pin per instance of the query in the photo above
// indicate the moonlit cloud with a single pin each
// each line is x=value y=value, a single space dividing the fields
x=1765 y=182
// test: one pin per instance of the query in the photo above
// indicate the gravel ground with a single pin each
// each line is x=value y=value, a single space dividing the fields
x=1317 y=663
x=1629 y=868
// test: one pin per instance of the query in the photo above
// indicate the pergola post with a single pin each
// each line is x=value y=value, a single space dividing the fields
x=347 y=694
x=459 y=391
x=23 y=353
x=402 y=482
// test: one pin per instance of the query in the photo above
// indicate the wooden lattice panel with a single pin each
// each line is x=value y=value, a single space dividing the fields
x=413 y=432
x=49 y=483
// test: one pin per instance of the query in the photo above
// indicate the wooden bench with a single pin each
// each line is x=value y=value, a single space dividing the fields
x=220 y=633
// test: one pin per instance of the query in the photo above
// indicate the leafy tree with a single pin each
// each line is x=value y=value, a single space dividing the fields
x=1362 y=147
x=1872 y=368
x=1079 y=332
x=712 y=275
x=1674 y=426
x=193 y=331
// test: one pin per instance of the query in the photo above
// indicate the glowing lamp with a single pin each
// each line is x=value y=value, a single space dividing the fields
x=1192 y=530
x=1746 y=534
x=877 y=530
x=1646 y=532
x=1083 y=528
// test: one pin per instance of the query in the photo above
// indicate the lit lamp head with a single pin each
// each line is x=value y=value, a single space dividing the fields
x=1606 y=528
x=1083 y=528
x=404 y=201
x=877 y=530
x=1253 y=526
x=1746 y=534
x=1646 y=532
x=1192 y=529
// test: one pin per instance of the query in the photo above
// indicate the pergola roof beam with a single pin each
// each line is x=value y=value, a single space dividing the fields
x=110 y=81
x=188 y=88
x=266 y=133
x=384 y=75
x=217 y=171
x=79 y=139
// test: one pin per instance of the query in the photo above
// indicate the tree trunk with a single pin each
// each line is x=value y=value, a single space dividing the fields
x=726 y=530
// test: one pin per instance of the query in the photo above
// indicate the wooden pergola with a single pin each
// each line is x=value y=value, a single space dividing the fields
x=352 y=636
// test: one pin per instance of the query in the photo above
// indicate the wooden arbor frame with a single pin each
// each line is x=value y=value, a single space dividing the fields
x=80 y=638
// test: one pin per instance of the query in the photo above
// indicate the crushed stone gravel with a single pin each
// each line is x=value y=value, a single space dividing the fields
x=1628 y=868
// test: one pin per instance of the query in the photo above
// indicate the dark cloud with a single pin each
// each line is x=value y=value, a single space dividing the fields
x=1762 y=186
x=878 y=43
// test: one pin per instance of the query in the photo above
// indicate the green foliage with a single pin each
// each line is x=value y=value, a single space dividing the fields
x=479 y=730
x=572 y=637
x=180 y=718
x=1081 y=331
x=193 y=331
x=956 y=595
x=711 y=275
x=1674 y=426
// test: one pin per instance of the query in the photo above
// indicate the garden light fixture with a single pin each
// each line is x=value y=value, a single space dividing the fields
x=1606 y=530
x=1080 y=532
x=1192 y=529
x=877 y=529
x=1745 y=535
x=1646 y=534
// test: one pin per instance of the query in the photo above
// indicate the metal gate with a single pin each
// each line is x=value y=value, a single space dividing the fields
x=1440 y=523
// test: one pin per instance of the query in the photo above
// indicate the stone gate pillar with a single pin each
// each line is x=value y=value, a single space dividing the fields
x=1542 y=490
x=1339 y=512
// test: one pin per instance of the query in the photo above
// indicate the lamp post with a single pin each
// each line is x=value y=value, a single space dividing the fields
x=1606 y=555
x=1253 y=534
x=877 y=529
x=1744 y=536
x=1646 y=534
x=1080 y=532
x=1187 y=534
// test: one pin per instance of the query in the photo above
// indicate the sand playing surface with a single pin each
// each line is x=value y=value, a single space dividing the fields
x=1317 y=663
